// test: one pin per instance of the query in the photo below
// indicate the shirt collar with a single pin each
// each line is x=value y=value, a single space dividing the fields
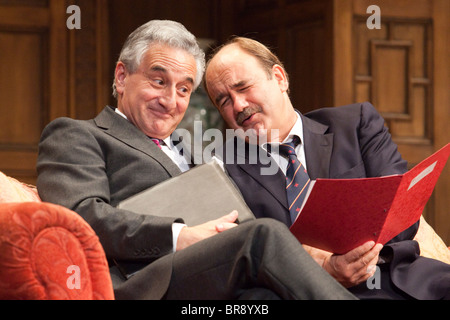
x=297 y=130
x=120 y=112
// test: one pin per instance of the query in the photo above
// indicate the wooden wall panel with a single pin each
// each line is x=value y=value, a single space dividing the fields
x=308 y=71
x=47 y=71
x=90 y=79
x=299 y=33
x=21 y=88
x=398 y=68
x=390 y=69
x=440 y=95
x=24 y=84
x=393 y=72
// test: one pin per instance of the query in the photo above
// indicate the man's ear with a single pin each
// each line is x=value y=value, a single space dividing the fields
x=119 y=77
x=280 y=76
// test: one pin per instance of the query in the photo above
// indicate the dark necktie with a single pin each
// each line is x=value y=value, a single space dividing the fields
x=297 y=178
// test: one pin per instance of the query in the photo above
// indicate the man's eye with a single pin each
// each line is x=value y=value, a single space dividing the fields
x=224 y=102
x=185 y=90
x=158 y=82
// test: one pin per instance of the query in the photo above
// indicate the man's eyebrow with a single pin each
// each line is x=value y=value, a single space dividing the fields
x=239 y=84
x=234 y=86
x=219 y=98
x=164 y=70
x=190 y=80
x=158 y=68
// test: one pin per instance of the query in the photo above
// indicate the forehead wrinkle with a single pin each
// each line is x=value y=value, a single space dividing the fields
x=169 y=63
x=225 y=78
x=158 y=60
x=222 y=75
x=161 y=69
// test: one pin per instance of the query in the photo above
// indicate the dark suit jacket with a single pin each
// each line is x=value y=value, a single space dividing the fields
x=108 y=161
x=90 y=166
x=345 y=142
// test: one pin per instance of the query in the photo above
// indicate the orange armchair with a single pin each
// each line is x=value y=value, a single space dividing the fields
x=47 y=251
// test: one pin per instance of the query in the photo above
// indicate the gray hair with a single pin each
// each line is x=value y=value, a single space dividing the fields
x=166 y=32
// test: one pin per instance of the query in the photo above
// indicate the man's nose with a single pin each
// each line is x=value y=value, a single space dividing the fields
x=239 y=103
x=168 y=97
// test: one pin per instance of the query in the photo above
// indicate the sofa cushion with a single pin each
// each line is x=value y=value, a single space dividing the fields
x=431 y=245
x=12 y=190
x=50 y=252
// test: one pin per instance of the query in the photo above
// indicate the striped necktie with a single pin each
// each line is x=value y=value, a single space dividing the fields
x=297 y=178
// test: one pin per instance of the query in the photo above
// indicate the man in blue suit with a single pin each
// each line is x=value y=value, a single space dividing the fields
x=92 y=165
x=249 y=86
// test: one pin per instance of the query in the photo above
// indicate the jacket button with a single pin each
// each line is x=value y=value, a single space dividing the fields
x=147 y=252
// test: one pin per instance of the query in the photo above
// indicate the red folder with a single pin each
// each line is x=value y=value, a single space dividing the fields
x=342 y=214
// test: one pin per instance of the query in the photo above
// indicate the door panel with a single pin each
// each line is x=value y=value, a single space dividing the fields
x=47 y=71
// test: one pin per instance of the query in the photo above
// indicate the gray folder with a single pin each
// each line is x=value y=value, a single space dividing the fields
x=198 y=195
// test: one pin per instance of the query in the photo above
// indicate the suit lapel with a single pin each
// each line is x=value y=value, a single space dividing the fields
x=124 y=131
x=318 y=147
x=275 y=183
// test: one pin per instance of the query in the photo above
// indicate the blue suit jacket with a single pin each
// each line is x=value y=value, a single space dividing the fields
x=344 y=142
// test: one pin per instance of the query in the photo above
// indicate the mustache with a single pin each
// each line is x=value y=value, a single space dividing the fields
x=247 y=113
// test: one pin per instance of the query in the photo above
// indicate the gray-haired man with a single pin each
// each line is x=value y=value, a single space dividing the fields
x=90 y=166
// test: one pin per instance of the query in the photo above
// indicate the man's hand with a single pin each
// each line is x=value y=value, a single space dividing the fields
x=355 y=266
x=191 y=235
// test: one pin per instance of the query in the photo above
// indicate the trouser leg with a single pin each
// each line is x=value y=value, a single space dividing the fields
x=257 y=254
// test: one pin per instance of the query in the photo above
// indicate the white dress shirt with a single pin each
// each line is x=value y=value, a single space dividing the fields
x=297 y=130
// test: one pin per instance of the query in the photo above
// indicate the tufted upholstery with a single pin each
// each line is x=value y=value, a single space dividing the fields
x=47 y=251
